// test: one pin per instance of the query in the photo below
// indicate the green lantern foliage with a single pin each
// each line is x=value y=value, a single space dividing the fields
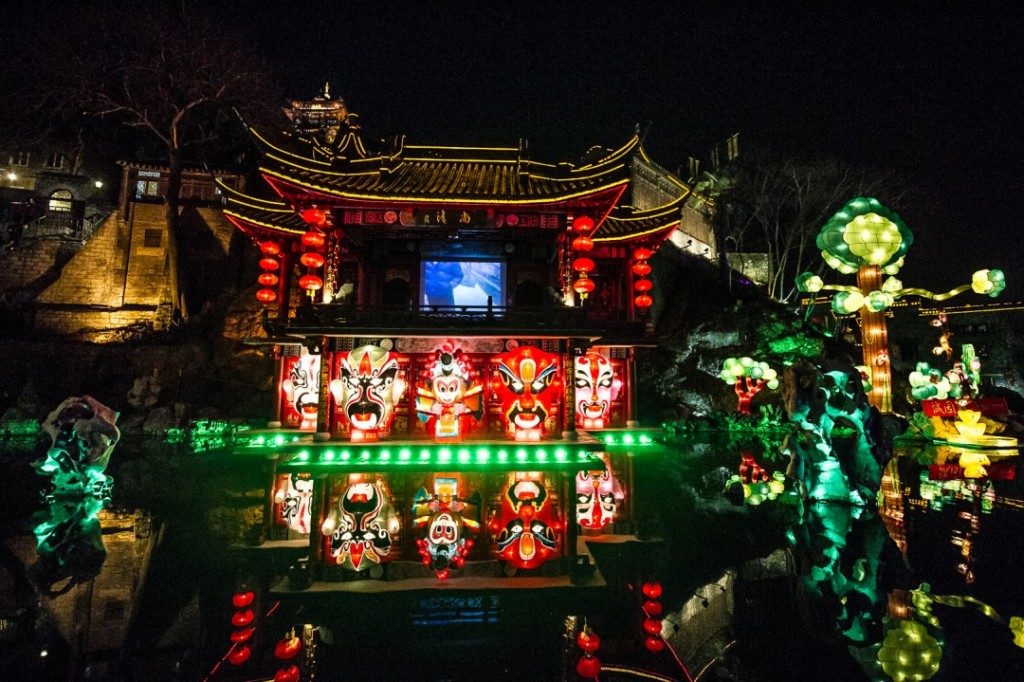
x=908 y=652
x=864 y=232
x=809 y=283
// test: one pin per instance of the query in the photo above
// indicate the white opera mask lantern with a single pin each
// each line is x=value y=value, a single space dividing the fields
x=302 y=389
x=596 y=388
x=367 y=391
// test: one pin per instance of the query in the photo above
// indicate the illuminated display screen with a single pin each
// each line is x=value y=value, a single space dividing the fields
x=462 y=283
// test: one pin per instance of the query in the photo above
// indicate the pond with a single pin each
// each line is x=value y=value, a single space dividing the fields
x=814 y=587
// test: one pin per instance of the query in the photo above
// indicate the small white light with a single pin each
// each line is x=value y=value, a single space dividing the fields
x=12 y=176
x=43 y=653
x=98 y=183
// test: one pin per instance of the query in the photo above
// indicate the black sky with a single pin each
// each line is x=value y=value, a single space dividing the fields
x=932 y=89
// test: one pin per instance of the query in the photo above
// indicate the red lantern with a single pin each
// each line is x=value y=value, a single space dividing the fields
x=288 y=647
x=289 y=674
x=243 y=599
x=240 y=655
x=268 y=264
x=314 y=216
x=268 y=279
x=654 y=644
x=583 y=264
x=643 y=285
x=642 y=253
x=641 y=268
x=652 y=627
x=583 y=286
x=270 y=248
x=243 y=635
x=266 y=295
x=652 y=608
x=588 y=667
x=583 y=243
x=582 y=223
x=588 y=640
x=242 y=618
x=313 y=239
x=312 y=259
x=311 y=282
x=643 y=301
x=652 y=590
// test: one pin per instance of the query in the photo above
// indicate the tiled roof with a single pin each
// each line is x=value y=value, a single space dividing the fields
x=254 y=213
x=625 y=222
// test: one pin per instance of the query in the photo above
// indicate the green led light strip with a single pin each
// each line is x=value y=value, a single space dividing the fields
x=433 y=456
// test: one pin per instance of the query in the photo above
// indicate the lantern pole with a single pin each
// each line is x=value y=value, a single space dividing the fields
x=874 y=331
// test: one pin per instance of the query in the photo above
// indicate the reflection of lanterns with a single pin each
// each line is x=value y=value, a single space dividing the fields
x=652 y=590
x=312 y=259
x=242 y=618
x=582 y=223
x=589 y=666
x=652 y=626
x=240 y=655
x=582 y=243
x=313 y=216
x=654 y=644
x=652 y=608
x=242 y=635
x=643 y=301
x=583 y=264
x=288 y=647
x=242 y=599
x=289 y=674
x=588 y=640
x=311 y=282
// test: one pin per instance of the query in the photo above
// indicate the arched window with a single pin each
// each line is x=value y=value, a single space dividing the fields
x=60 y=201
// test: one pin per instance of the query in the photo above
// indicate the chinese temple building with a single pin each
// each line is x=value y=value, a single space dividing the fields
x=454 y=331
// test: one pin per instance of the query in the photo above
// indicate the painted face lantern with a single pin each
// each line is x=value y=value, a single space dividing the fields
x=598 y=495
x=596 y=388
x=448 y=398
x=367 y=391
x=523 y=381
x=292 y=502
x=362 y=526
x=448 y=528
x=526 y=527
x=302 y=389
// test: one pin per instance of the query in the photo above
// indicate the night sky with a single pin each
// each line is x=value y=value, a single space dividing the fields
x=930 y=89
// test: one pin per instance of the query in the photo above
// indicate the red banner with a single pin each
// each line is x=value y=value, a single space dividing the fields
x=999 y=471
x=990 y=407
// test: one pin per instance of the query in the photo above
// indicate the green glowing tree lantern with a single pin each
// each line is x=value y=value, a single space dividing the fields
x=748 y=378
x=866 y=238
x=908 y=652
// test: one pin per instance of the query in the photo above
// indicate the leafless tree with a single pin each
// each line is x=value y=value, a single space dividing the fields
x=169 y=74
x=778 y=205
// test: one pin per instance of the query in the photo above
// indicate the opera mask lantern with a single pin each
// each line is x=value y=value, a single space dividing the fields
x=598 y=495
x=302 y=389
x=526 y=525
x=367 y=391
x=361 y=527
x=445 y=396
x=596 y=388
x=292 y=499
x=523 y=381
x=444 y=515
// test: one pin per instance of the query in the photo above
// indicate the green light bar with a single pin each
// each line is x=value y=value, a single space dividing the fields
x=629 y=438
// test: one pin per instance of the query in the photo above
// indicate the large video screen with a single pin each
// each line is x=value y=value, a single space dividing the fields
x=462 y=283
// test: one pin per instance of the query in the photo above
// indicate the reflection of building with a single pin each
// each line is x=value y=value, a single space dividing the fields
x=438 y=421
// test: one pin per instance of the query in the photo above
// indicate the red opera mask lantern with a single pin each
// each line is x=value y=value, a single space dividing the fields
x=524 y=378
x=292 y=502
x=598 y=495
x=362 y=526
x=444 y=516
x=445 y=399
x=367 y=391
x=527 y=537
x=596 y=388
x=302 y=389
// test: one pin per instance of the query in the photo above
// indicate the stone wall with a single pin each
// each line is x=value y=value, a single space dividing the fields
x=95 y=275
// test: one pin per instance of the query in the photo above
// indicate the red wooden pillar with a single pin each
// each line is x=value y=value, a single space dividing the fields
x=324 y=402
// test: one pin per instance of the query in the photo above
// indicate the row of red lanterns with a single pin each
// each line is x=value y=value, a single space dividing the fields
x=589 y=665
x=287 y=649
x=313 y=242
x=642 y=286
x=652 y=613
x=269 y=278
x=582 y=264
x=242 y=620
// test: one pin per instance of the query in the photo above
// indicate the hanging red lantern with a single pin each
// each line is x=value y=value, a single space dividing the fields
x=652 y=608
x=313 y=216
x=588 y=667
x=588 y=640
x=582 y=223
x=242 y=618
x=643 y=301
x=641 y=268
x=240 y=655
x=289 y=674
x=288 y=647
x=583 y=243
x=583 y=264
x=268 y=279
x=654 y=644
x=312 y=259
x=242 y=635
x=652 y=626
x=642 y=253
x=266 y=295
x=652 y=590
x=311 y=282
x=313 y=239
x=583 y=286
x=643 y=285
x=268 y=264
x=270 y=248
x=243 y=599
